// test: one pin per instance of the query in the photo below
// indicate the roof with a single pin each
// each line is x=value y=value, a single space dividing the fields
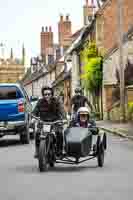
x=63 y=76
x=76 y=34
x=76 y=44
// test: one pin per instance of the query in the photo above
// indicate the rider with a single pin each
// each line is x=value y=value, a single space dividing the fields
x=49 y=108
x=83 y=120
x=79 y=100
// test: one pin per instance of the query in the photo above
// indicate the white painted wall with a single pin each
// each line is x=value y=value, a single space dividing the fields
x=75 y=71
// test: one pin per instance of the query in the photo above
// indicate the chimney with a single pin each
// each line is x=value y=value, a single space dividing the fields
x=88 y=11
x=64 y=31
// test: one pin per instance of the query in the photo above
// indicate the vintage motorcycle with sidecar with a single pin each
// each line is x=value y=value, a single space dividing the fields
x=78 y=145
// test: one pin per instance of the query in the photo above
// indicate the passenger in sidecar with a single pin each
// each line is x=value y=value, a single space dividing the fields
x=83 y=120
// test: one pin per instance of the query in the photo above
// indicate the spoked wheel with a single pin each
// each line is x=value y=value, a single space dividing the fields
x=100 y=155
x=42 y=158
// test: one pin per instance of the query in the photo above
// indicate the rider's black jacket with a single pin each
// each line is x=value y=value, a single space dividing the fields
x=79 y=101
x=48 y=111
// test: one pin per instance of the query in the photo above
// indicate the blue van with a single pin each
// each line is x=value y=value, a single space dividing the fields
x=15 y=108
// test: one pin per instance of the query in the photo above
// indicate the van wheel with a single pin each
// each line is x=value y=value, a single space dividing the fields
x=25 y=136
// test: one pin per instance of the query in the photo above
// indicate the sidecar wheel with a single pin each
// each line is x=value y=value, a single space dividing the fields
x=105 y=141
x=100 y=155
x=52 y=164
x=42 y=158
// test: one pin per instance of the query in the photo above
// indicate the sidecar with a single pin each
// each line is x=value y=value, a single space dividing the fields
x=80 y=147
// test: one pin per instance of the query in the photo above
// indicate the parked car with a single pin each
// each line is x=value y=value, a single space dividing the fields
x=15 y=108
x=33 y=123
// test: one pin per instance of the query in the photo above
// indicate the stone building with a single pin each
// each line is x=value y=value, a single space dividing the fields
x=12 y=69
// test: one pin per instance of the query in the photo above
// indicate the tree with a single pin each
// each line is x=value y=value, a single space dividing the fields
x=92 y=72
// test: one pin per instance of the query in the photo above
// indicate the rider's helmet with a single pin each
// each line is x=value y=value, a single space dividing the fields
x=83 y=114
x=78 y=90
x=47 y=87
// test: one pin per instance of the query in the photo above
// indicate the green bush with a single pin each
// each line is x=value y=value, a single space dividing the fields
x=130 y=110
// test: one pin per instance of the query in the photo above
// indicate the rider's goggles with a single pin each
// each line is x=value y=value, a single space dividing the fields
x=83 y=115
x=47 y=94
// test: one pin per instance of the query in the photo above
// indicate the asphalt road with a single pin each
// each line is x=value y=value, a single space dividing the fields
x=21 y=180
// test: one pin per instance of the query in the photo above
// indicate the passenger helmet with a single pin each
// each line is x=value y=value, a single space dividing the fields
x=83 y=111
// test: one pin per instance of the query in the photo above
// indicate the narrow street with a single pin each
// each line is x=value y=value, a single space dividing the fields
x=21 y=180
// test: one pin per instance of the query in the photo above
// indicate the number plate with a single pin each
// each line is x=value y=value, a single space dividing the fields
x=30 y=129
x=46 y=128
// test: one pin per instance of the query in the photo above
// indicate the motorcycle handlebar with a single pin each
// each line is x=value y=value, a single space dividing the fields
x=49 y=122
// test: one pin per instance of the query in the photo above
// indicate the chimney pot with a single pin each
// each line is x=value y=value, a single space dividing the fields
x=42 y=28
x=50 y=29
x=61 y=17
x=46 y=29
x=67 y=17
x=87 y=3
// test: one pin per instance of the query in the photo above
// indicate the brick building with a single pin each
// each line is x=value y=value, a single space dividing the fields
x=109 y=11
x=107 y=25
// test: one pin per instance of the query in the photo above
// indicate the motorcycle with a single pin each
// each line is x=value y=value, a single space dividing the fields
x=48 y=148
x=78 y=145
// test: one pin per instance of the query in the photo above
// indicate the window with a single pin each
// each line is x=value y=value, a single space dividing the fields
x=50 y=59
x=9 y=93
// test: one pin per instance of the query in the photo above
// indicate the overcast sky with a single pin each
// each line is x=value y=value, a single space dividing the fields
x=21 y=21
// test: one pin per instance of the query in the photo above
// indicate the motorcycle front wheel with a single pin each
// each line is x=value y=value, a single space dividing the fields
x=42 y=157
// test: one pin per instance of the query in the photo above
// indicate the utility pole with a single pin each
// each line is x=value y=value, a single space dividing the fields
x=121 y=63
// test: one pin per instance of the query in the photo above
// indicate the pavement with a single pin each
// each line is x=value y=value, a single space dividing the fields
x=20 y=178
x=121 y=129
